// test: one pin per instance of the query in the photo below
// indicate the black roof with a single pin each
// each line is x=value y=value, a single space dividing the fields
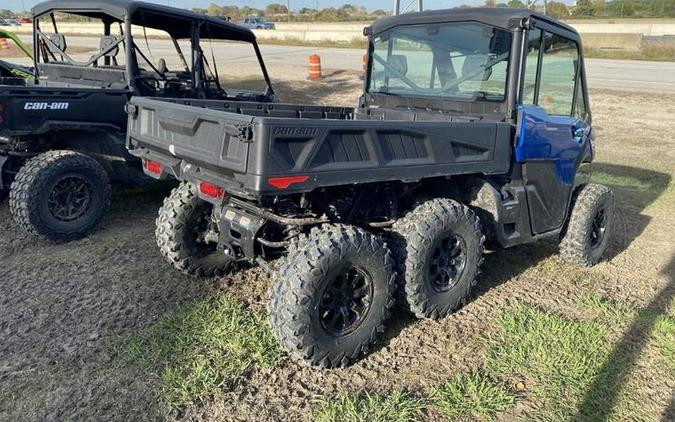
x=502 y=17
x=175 y=21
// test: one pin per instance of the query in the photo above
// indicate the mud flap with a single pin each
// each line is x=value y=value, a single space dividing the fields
x=3 y=182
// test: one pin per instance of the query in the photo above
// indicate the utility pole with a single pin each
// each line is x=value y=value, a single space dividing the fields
x=288 y=10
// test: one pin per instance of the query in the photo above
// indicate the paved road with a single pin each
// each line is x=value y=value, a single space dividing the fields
x=288 y=62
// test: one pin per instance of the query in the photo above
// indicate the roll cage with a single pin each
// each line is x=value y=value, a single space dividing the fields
x=179 y=24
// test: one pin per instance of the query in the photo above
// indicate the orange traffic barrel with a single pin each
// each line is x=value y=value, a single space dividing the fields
x=4 y=44
x=364 y=65
x=314 y=67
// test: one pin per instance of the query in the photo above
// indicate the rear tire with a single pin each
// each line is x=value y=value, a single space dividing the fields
x=587 y=234
x=182 y=220
x=438 y=248
x=60 y=195
x=332 y=296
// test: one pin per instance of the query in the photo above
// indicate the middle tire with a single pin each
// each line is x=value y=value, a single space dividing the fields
x=332 y=295
x=438 y=248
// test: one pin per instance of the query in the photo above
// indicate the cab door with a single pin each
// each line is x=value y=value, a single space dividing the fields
x=553 y=128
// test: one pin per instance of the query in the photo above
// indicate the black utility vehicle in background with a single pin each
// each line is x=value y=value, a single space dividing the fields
x=62 y=136
x=472 y=126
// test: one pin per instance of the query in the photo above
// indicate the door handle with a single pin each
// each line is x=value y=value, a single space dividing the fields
x=579 y=134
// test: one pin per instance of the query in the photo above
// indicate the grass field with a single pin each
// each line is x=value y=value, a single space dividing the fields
x=114 y=333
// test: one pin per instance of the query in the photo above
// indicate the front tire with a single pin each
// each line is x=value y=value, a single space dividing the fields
x=439 y=249
x=588 y=230
x=183 y=221
x=332 y=296
x=60 y=195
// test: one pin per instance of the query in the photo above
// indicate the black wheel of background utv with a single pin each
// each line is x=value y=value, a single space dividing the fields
x=587 y=233
x=60 y=195
x=438 y=249
x=332 y=296
x=180 y=226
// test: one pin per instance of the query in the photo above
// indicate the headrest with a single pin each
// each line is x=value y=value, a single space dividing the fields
x=59 y=40
x=399 y=63
x=474 y=67
x=108 y=41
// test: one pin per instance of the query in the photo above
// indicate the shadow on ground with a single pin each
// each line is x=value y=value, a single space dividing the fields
x=601 y=398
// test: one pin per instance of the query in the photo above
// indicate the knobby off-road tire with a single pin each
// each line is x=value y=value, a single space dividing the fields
x=438 y=249
x=587 y=233
x=332 y=296
x=182 y=219
x=60 y=195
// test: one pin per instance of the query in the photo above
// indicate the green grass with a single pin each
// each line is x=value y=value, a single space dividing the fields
x=558 y=358
x=617 y=316
x=657 y=52
x=397 y=406
x=204 y=347
x=664 y=333
x=472 y=395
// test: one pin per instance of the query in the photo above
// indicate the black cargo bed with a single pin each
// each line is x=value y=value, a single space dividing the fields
x=242 y=145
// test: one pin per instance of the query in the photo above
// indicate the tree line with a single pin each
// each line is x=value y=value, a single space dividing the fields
x=349 y=12
x=596 y=8
x=276 y=11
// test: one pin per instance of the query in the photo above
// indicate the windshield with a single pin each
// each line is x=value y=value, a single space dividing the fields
x=461 y=60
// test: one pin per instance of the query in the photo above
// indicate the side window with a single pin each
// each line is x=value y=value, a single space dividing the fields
x=558 y=75
x=532 y=60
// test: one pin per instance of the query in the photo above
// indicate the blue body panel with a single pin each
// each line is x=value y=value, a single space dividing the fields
x=550 y=138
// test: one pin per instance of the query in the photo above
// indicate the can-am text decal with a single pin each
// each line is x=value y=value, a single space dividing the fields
x=46 y=106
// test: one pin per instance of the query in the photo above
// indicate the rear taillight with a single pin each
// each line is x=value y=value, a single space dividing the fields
x=211 y=190
x=153 y=167
x=286 y=182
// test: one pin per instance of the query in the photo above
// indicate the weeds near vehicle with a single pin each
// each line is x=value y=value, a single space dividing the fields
x=656 y=52
x=397 y=406
x=664 y=333
x=557 y=357
x=472 y=395
x=203 y=347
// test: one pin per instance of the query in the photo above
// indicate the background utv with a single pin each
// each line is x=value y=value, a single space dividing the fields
x=62 y=136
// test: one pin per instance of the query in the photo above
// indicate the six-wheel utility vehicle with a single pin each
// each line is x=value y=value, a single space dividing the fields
x=473 y=125
x=62 y=136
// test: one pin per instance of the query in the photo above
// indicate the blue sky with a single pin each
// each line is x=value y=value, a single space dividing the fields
x=295 y=4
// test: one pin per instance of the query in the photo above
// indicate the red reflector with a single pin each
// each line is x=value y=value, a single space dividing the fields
x=153 y=167
x=211 y=190
x=285 y=182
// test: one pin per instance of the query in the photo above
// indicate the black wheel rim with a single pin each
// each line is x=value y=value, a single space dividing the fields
x=598 y=228
x=70 y=198
x=447 y=263
x=346 y=301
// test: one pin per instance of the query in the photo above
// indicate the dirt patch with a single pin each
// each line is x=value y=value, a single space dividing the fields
x=67 y=309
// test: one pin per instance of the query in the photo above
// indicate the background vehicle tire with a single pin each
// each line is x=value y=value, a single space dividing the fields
x=60 y=195
x=586 y=236
x=182 y=220
x=332 y=296
x=438 y=249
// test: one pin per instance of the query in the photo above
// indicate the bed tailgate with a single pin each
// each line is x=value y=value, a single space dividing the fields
x=172 y=133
